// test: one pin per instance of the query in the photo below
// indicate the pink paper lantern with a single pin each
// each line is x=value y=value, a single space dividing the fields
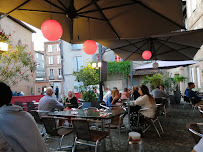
x=89 y=47
x=146 y=55
x=52 y=30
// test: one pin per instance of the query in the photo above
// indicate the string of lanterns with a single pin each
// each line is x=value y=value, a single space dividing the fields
x=52 y=30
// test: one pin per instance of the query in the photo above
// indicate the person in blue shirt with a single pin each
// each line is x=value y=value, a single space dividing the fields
x=196 y=99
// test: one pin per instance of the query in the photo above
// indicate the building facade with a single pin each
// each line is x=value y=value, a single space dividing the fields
x=41 y=79
x=20 y=34
x=53 y=65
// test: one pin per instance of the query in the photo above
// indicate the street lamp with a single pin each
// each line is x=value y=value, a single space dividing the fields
x=98 y=65
x=3 y=46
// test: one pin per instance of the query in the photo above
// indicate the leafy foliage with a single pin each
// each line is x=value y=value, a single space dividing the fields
x=89 y=95
x=119 y=67
x=155 y=80
x=88 y=75
x=16 y=65
x=172 y=83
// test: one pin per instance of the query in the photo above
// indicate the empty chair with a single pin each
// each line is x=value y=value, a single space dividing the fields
x=117 y=121
x=162 y=104
x=194 y=129
x=52 y=129
x=83 y=132
x=30 y=106
x=19 y=103
x=80 y=104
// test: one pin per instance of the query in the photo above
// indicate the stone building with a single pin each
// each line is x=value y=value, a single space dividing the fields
x=20 y=34
x=53 y=64
x=41 y=79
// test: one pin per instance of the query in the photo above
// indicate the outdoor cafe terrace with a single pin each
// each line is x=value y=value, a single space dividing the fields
x=176 y=137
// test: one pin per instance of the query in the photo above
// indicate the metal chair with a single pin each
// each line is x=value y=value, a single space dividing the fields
x=194 y=129
x=19 y=103
x=116 y=122
x=162 y=104
x=145 y=125
x=52 y=129
x=80 y=104
x=30 y=106
x=83 y=132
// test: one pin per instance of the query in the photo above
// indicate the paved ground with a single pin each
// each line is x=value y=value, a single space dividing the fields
x=175 y=139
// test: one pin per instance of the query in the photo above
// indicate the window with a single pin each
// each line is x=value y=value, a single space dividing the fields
x=49 y=48
x=59 y=59
x=42 y=65
x=198 y=78
x=50 y=59
x=42 y=57
x=59 y=70
x=37 y=55
x=77 y=63
x=58 y=48
x=51 y=72
x=192 y=79
x=76 y=46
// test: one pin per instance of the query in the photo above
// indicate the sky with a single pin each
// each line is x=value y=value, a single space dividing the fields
x=37 y=38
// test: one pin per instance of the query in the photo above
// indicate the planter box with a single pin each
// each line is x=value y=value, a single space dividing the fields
x=90 y=104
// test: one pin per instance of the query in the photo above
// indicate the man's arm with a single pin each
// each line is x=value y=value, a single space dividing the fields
x=58 y=105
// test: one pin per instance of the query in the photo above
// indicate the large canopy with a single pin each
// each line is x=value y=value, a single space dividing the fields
x=175 y=46
x=100 y=19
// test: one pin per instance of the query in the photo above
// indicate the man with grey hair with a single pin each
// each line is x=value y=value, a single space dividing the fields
x=48 y=103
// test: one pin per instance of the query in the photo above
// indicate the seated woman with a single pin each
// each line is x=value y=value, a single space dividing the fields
x=113 y=99
x=146 y=101
x=125 y=95
x=71 y=100
x=135 y=92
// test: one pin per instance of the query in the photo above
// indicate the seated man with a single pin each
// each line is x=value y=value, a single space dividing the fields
x=191 y=94
x=48 y=103
x=158 y=93
x=199 y=146
x=18 y=127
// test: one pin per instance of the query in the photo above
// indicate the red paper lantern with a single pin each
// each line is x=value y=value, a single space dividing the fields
x=146 y=55
x=52 y=30
x=89 y=47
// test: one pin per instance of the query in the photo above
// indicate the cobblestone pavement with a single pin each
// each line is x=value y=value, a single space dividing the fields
x=175 y=139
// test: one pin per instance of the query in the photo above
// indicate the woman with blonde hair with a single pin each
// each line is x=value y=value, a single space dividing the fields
x=146 y=101
x=113 y=98
x=71 y=100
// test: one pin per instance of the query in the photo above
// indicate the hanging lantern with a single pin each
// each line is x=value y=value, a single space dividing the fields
x=146 y=55
x=155 y=65
x=52 y=30
x=89 y=47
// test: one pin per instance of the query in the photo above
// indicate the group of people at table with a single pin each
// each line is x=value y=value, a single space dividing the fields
x=19 y=132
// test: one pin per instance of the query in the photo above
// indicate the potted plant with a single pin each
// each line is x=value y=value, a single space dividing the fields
x=173 y=84
x=89 y=77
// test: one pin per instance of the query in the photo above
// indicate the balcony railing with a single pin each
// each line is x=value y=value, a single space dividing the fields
x=51 y=77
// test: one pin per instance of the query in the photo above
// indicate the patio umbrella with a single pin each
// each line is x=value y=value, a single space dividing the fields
x=166 y=64
x=100 y=19
x=175 y=46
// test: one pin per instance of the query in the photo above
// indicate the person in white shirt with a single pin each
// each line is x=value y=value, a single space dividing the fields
x=17 y=126
x=107 y=95
x=199 y=146
x=146 y=101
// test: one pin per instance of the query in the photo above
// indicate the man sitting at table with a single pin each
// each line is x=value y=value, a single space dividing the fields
x=18 y=127
x=195 y=98
x=158 y=93
x=48 y=103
